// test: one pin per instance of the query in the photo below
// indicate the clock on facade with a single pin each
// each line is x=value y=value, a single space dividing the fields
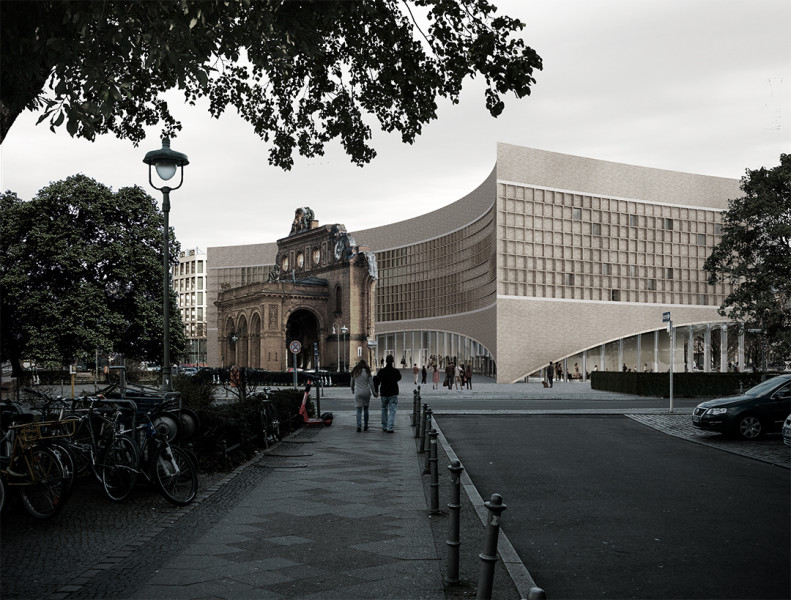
x=338 y=250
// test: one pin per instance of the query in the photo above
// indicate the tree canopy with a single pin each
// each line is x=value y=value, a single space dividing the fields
x=754 y=255
x=80 y=269
x=301 y=72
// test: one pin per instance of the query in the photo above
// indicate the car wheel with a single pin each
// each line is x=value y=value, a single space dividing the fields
x=749 y=427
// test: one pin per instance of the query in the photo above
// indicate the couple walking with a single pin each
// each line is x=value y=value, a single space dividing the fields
x=364 y=385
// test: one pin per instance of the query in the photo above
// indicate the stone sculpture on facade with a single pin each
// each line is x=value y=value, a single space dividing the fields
x=302 y=219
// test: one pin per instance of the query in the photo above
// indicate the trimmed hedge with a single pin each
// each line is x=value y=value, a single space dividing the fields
x=685 y=385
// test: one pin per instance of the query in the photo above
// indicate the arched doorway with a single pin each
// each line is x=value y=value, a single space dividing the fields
x=302 y=325
x=243 y=343
x=255 y=341
x=230 y=343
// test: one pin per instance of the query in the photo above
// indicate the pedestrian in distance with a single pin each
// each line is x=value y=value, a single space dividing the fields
x=449 y=376
x=468 y=377
x=423 y=375
x=550 y=373
x=363 y=388
x=456 y=375
x=387 y=381
x=415 y=372
x=435 y=378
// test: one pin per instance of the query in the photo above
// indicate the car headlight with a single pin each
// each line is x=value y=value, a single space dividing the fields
x=717 y=411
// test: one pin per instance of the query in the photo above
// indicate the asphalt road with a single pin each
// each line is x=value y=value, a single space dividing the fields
x=604 y=507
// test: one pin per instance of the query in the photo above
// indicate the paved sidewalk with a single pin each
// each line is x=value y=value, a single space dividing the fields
x=342 y=515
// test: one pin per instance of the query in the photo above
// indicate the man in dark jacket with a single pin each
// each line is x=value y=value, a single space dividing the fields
x=387 y=381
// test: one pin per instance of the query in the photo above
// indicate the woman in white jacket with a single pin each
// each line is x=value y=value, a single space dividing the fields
x=362 y=388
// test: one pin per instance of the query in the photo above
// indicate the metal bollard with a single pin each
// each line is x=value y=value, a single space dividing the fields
x=434 y=468
x=489 y=555
x=536 y=593
x=454 y=524
x=416 y=407
x=426 y=441
x=419 y=430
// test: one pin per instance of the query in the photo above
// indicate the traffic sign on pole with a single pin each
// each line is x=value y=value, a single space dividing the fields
x=295 y=347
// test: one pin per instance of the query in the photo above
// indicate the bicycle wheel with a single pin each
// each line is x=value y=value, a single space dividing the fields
x=45 y=496
x=67 y=459
x=175 y=475
x=2 y=493
x=118 y=468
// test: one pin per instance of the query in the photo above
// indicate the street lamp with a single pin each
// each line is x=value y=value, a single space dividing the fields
x=344 y=331
x=337 y=348
x=166 y=162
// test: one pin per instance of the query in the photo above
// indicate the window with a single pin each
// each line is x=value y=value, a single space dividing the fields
x=338 y=299
x=703 y=299
x=669 y=224
x=596 y=228
x=577 y=214
x=717 y=228
x=569 y=279
x=615 y=295
x=606 y=269
x=701 y=239
x=669 y=273
x=652 y=284
x=632 y=270
x=633 y=220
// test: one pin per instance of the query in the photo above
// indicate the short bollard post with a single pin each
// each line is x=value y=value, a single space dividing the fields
x=427 y=441
x=434 y=485
x=536 y=593
x=420 y=430
x=454 y=524
x=416 y=407
x=489 y=555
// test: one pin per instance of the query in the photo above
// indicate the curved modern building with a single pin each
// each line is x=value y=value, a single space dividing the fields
x=551 y=258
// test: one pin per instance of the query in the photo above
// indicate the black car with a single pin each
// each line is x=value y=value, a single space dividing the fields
x=761 y=409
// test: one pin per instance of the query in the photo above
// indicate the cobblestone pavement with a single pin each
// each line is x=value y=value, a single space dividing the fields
x=770 y=449
x=52 y=558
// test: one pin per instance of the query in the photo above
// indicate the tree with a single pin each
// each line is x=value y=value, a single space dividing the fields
x=301 y=72
x=81 y=268
x=754 y=255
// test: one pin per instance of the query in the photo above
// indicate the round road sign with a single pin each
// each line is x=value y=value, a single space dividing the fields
x=295 y=347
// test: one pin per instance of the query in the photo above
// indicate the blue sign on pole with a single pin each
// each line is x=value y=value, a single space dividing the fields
x=666 y=317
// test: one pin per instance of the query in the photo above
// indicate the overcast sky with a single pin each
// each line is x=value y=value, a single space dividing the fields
x=702 y=86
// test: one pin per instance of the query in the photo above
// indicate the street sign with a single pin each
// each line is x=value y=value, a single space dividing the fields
x=295 y=347
x=755 y=330
x=666 y=317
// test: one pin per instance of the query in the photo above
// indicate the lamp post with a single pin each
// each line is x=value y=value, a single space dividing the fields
x=166 y=162
x=344 y=331
x=337 y=348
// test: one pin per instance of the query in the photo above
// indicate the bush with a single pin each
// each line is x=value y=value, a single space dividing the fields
x=231 y=432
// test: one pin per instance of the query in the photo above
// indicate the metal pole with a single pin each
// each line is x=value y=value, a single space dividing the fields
x=489 y=555
x=434 y=485
x=427 y=442
x=454 y=523
x=672 y=359
x=420 y=431
x=167 y=384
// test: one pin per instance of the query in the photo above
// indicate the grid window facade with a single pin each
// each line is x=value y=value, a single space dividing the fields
x=447 y=275
x=620 y=250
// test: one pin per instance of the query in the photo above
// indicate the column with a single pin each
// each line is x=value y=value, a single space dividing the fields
x=690 y=348
x=656 y=351
x=741 y=348
x=707 y=349
x=724 y=348
x=620 y=354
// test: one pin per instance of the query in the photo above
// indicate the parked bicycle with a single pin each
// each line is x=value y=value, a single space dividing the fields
x=171 y=468
x=100 y=443
x=35 y=468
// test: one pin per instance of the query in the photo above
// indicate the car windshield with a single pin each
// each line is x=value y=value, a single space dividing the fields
x=763 y=388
